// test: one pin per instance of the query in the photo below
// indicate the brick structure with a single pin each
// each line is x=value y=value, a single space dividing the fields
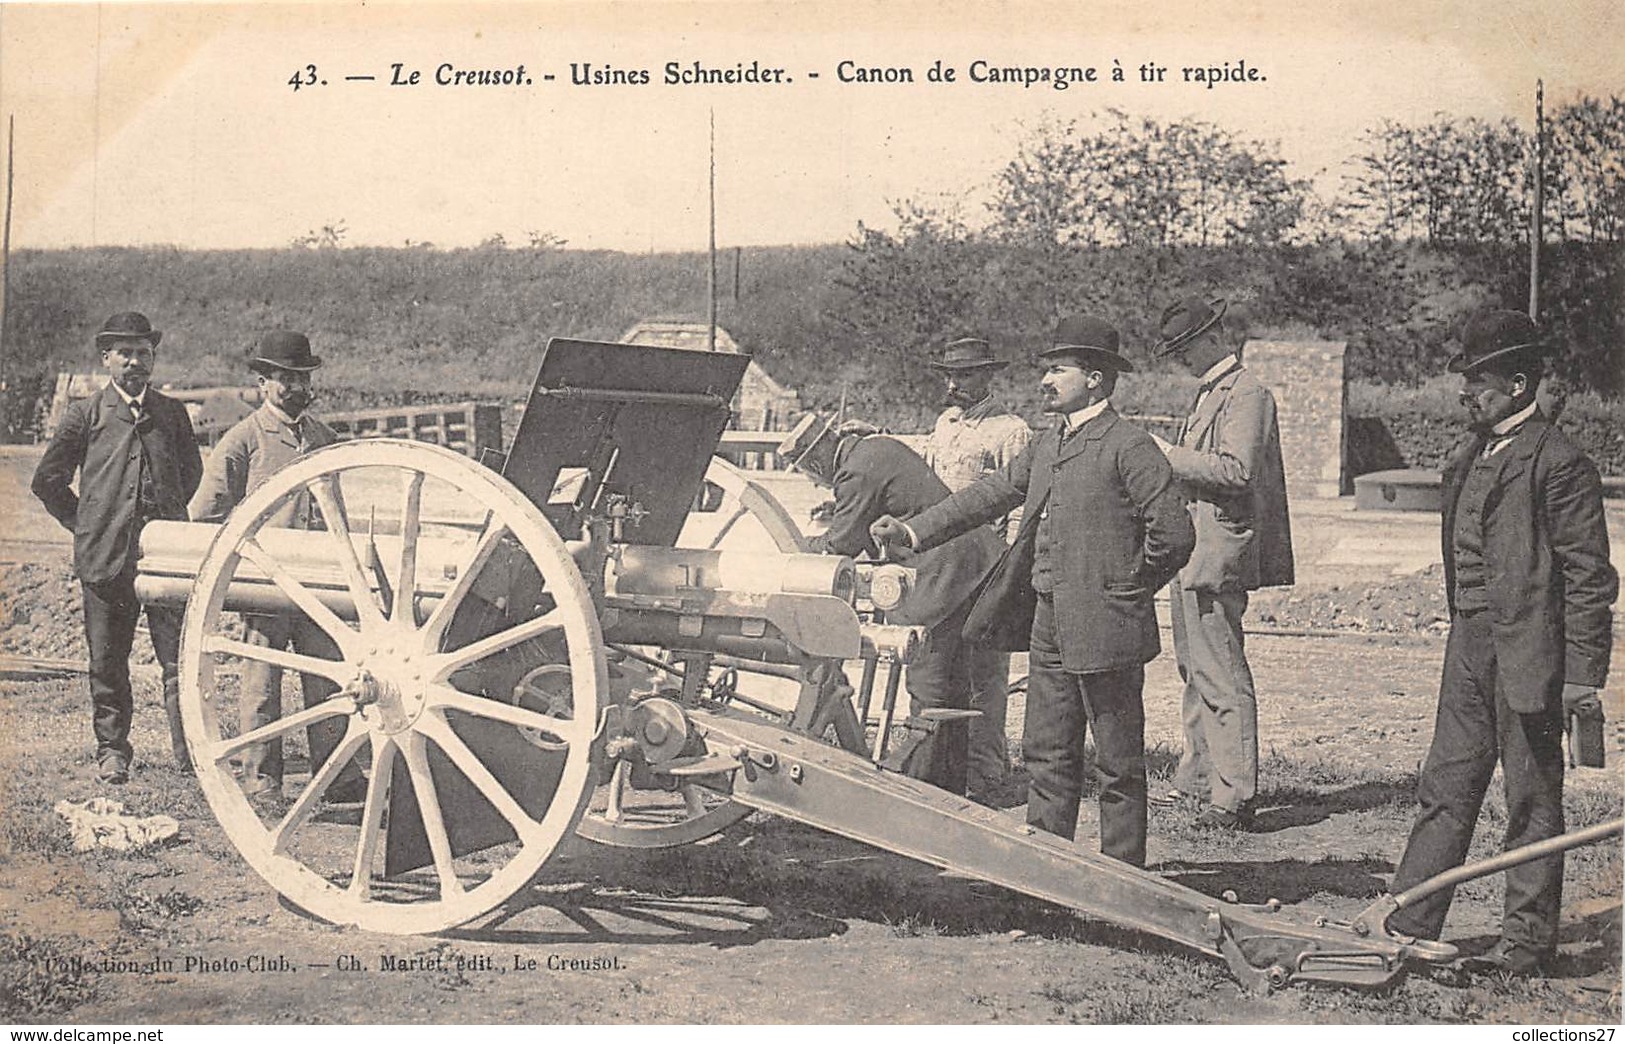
x=761 y=404
x=1311 y=392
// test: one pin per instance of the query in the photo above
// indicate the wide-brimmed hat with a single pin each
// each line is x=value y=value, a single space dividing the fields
x=128 y=326
x=283 y=350
x=1186 y=320
x=1094 y=342
x=809 y=431
x=968 y=353
x=1496 y=334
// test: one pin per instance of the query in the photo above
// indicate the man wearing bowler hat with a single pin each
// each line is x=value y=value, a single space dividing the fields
x=137 y=460
x=1104 y=527
x=1530 y=590
x=279 y=432
x=1228 y=458
x=875 y=475
x=975 y=435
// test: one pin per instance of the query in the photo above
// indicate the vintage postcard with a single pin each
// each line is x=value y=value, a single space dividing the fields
x=623 y=681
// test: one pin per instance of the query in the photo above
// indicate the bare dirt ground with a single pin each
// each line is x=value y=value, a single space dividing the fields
x=772 y=921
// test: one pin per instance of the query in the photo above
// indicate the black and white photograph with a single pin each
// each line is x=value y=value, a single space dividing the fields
x=761 y=513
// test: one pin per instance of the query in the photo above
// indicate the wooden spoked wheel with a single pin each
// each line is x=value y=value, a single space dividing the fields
x=457 y=588
x=734 y=512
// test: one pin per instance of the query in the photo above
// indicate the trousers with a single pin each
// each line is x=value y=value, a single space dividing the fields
x=111 y=612
x=1473 y=729
x=939 y=676
x=1061 y=708
x=990 y=694
x=262 y=692
x=1219 y=707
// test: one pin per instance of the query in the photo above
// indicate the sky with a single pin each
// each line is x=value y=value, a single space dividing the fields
x=140 y=124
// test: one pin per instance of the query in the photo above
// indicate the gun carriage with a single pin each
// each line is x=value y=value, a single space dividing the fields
x=556 y=646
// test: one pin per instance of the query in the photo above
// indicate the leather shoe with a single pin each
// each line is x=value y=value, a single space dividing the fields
x=259 y=786
x=1169 y=797
x=1508 y=958
x=112 y=767
x=1215 y=818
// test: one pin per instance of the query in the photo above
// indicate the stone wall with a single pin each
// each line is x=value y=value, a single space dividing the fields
x=1311 y=394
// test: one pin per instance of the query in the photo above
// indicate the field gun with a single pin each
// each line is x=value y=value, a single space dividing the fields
x=555 y=646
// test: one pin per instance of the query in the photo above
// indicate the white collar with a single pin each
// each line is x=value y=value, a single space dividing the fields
x=1219 y=369
x=1078 y=418
x=138 y=401
x=1507 y=424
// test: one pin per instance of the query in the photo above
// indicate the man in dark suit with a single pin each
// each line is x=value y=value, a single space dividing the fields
x=876 y=475
x=137 y=460
x=1530 y=590
x=1103 y=527
x=1228 y=459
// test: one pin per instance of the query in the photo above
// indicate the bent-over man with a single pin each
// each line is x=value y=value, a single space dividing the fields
x=872 y=476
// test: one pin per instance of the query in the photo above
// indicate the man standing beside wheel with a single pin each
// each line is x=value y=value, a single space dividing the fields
x=1104 y=527
x=1228 y=458
x=137 y=460
x=278 y=432
x=875 y=475
x=1530 y=590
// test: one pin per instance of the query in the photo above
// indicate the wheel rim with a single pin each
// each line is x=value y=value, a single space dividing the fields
x=404 y=664
x=625 y=816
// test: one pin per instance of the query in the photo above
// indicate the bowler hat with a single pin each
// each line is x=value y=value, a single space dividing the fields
x=128 y=326
x=1186 y=320
x=1093 y=341
x=807 y=433
x=968 y=353
x=283 y=350
x=1495 y=334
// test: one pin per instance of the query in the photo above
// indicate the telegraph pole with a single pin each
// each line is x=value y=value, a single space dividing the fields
x=5 y=243
x=711 y=278
x=1536 y=231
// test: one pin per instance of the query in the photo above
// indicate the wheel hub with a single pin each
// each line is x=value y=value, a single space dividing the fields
x=390 y=691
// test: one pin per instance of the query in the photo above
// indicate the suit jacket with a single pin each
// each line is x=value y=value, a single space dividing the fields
x=877 y=476
x=248 y=454
x=1551 y=587
x=100 y=439
x=1229 y=459
x=1119 y=531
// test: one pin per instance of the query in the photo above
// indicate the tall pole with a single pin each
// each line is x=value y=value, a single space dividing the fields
x=1536 y=232
x=5 y=243
x=711 y=278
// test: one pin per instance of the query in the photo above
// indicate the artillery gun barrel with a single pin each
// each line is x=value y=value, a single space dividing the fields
x=753 y=605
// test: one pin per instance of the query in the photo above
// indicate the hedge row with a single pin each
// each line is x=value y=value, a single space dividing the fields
x=1394 y=427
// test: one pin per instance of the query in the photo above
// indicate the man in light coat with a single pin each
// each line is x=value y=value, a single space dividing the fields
x=277 y=433
x=1530 y=590
x=1228 y=458
x=1103 y=527
x=975 y=436
x=137 y=460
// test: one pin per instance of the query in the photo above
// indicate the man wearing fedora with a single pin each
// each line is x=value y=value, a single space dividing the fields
x=875 y=475
x=1228 y=458
x=137 y=460
x=1530 y=590
x=1104 y=527
x=277 y=433
x=975 y=435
